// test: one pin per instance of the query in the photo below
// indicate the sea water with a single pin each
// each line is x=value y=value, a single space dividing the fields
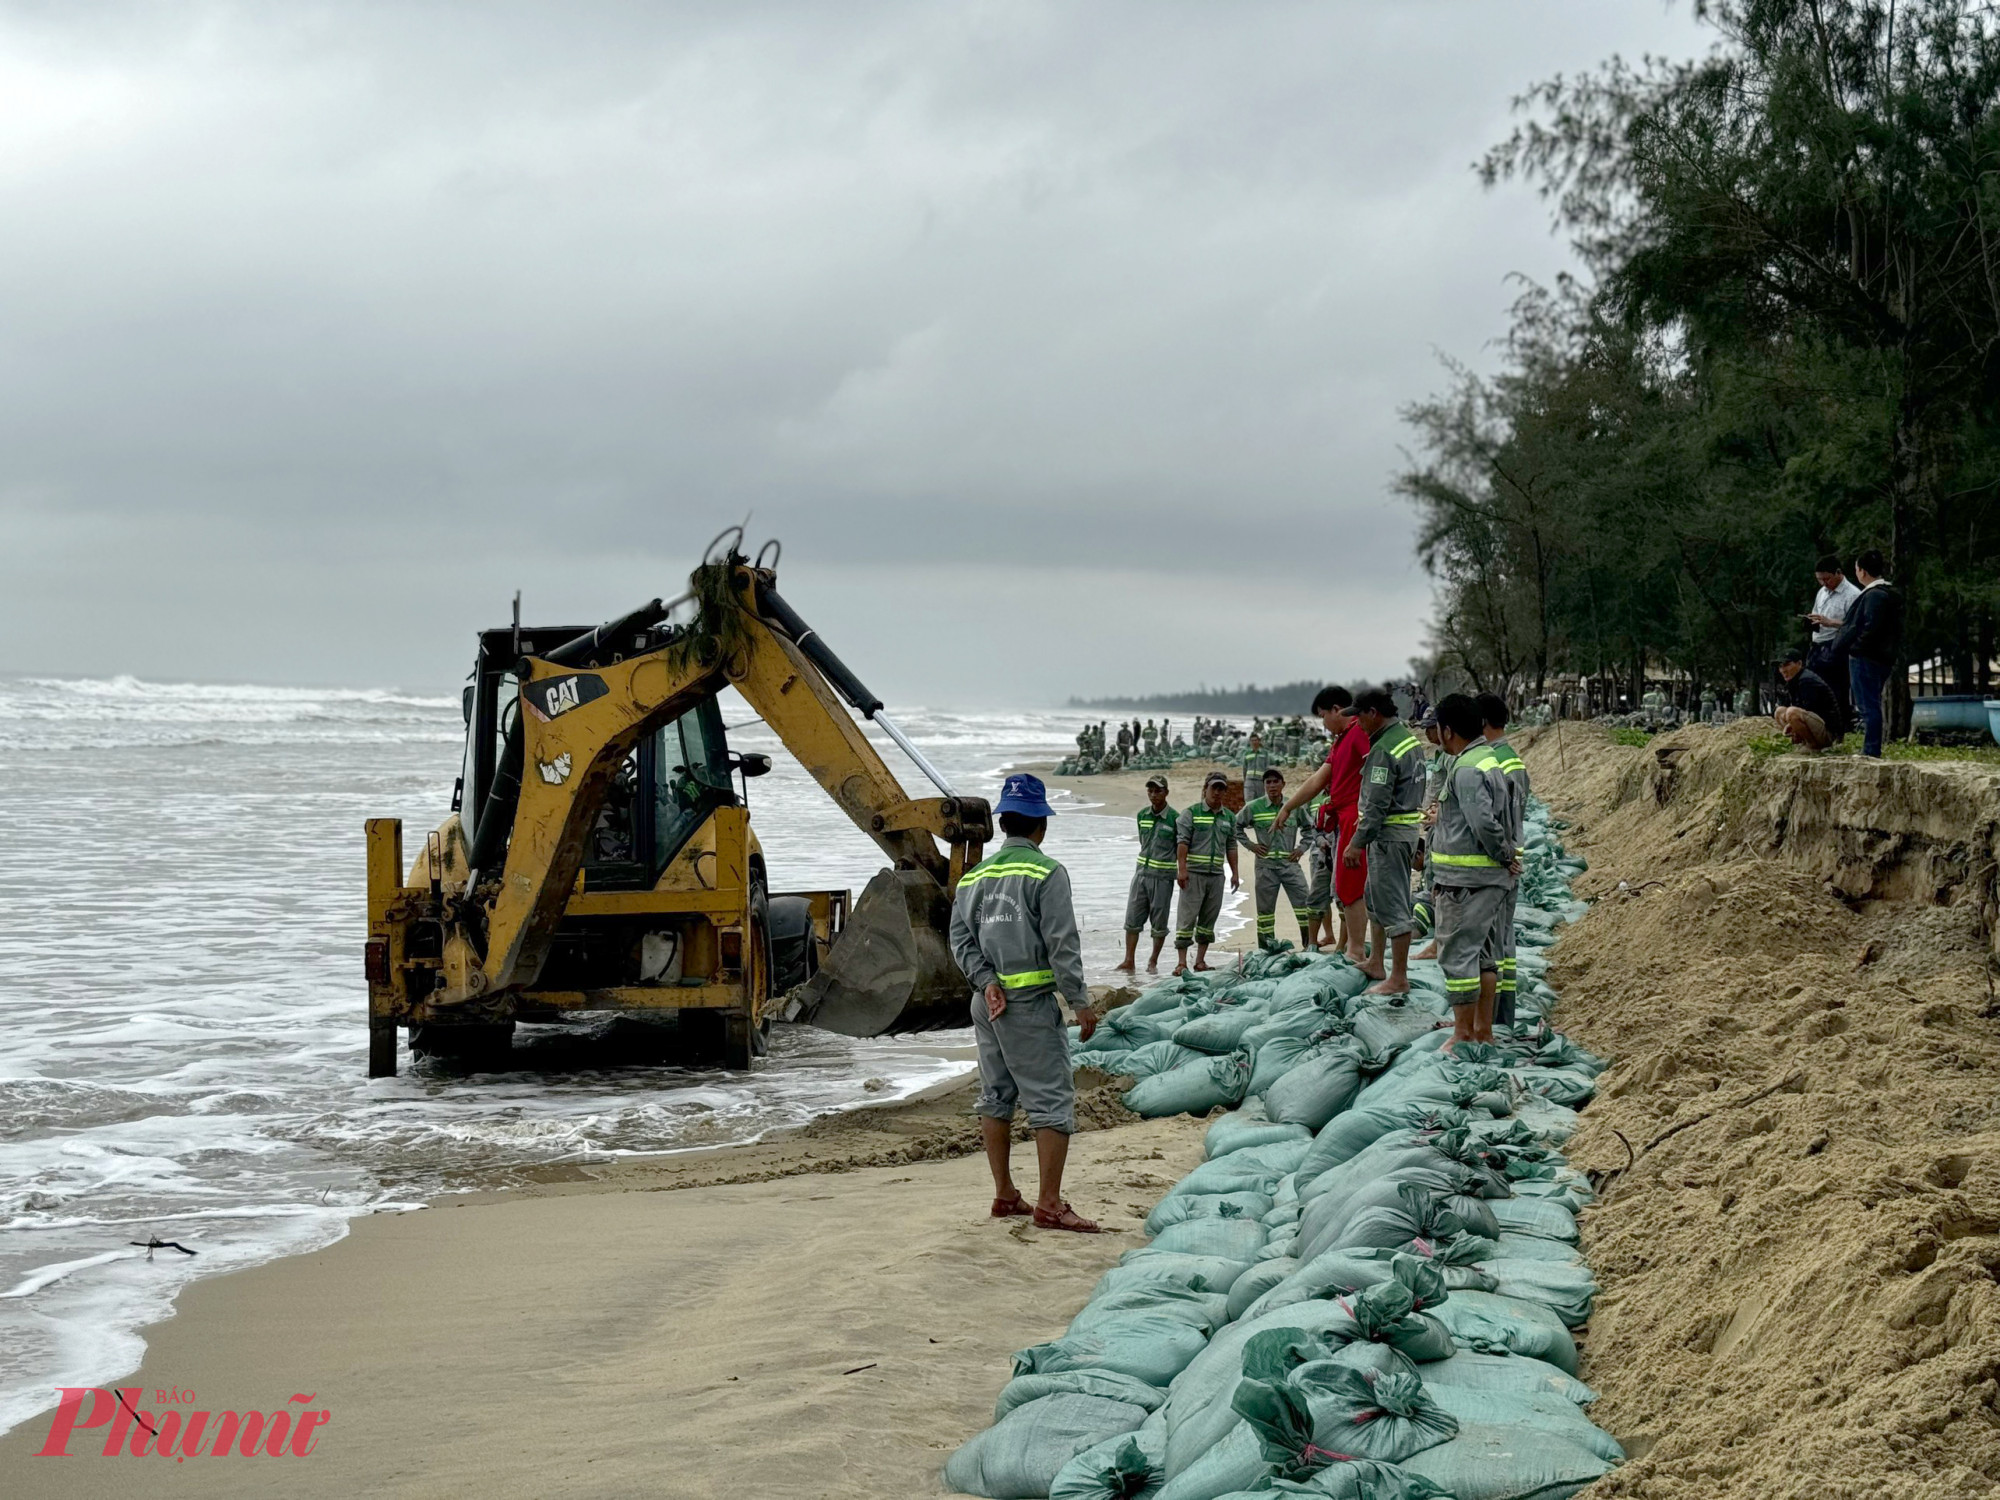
x=184 y=1046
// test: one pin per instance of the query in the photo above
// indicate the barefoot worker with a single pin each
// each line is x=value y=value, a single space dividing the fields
x=1340 y=779
x=1151 y=899
x=1493 y=717
x=1474 y=853
x=1279 y=843
x=1392 y=817
x=1013 y=932
x=1204 y=843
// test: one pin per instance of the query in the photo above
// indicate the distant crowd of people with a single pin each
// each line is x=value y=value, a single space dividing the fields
x=1146 y=745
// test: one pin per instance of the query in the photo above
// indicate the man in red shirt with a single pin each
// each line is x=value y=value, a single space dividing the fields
x=1340 y=779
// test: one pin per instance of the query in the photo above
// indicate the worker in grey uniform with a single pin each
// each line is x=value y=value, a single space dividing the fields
x=1436 y=765
x=1476 y=869
x=1278 y=843
x=1387 y=826
x=1493 y=717
x=1013 y=933
x=1151 y=899
x=1204 y=844
x=1256 y=761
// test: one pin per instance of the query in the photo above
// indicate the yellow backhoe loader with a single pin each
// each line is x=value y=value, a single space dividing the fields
x=599 y=854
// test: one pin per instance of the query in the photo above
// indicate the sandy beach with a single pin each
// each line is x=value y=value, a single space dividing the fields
x=824 y=1314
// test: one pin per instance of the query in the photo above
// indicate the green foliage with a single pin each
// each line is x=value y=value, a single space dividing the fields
x=1789 y=345
x=1633 y=737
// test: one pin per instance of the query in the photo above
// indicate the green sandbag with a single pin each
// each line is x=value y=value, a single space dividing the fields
x=1207 y=1311
x=1346 y=1273
x=1418 y=1220
x=1349 y=1134
x=1234 y=1464
x=1504 y=1463
x=1535 y=1412
x=1263 y=1277
x=1193 y=1088
x=1121 y=1468
x=1239 y=1172
x=1386 y=1028
x=1558 y=1085
x=1157 y=1057
x=1534 y=1247
x=1221 y=1032
x=1386 y=1415
x=1506 y=1374
x=1492 y=1324
x=1317 y=1088
x=1154 y=1350
x=1292 y=1032
x=1461 y=1187
x=1107 y=1383
x=1228 y=1238
x=1146 y=1266
x=1018 y=1458
x=1232 y=1133
x=1536 y=1216
x=1177 y=1208
x=1356 y=1479
x=1567 y=1290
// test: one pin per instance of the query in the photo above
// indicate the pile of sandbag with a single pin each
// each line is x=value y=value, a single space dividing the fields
x=1367 y=1289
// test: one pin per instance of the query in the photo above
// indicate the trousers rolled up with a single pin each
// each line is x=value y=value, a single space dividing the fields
x=1390 y=904
x=1201 y=904
x=1150 y=902
x=1274 y=875
x=1319 y=888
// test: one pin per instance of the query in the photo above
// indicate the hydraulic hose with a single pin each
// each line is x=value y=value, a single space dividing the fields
x=772 y=606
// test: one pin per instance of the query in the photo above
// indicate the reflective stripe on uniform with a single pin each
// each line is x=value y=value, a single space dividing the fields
x=1031 y=977
x=1403 y=820
x=1000 y=869
x=1481 y=861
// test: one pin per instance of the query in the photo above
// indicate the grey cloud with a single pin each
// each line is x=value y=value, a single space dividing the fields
x=413 y=303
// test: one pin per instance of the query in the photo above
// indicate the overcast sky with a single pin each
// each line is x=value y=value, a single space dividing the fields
x=1062 y=344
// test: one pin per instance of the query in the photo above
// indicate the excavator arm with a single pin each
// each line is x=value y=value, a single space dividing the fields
x=587 y=704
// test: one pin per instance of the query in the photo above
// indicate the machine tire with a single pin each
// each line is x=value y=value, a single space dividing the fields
x=479 y=1046
x=794 y=946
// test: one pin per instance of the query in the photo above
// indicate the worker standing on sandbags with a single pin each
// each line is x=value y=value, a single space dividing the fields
x=1151 y=899
x=1339 y=777
x=1436 y=764
x=1013 y=932
x=1391 y=818
x=1493 y=717
x=1204 y=843
x=1474 y=850
x=1278 y=842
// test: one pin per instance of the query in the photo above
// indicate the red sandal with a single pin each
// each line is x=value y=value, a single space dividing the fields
x=1064 y=1217
x=1007 y=1208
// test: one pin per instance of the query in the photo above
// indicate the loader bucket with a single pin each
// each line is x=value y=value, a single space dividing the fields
x=891 y=968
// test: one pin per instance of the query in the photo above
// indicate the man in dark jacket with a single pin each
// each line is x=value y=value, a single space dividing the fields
x=1810 y=714
x=1872 y=638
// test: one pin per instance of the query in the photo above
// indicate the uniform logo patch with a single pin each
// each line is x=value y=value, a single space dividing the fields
x=1379 y=775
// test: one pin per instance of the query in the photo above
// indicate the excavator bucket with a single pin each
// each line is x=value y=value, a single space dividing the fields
x=891 y=968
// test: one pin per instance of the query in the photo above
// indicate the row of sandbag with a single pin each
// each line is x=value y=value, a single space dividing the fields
x=1373 y=1304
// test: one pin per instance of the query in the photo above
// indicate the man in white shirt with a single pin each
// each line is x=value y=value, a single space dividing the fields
x=1829 y=612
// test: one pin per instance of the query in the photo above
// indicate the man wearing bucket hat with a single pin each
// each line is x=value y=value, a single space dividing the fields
x=1013 y=932
x=1151 y=899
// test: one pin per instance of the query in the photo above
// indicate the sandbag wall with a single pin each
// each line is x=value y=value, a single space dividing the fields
x=1367 y=1289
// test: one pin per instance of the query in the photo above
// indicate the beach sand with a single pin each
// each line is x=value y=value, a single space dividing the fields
x=825 y=1314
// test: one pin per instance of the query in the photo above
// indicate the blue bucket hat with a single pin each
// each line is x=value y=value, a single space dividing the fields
x=1025 y=795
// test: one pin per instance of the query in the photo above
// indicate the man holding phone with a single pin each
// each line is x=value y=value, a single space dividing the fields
x=1829 y=613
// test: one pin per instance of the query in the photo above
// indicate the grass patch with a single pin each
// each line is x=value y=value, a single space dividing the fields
x=1630 y=737
x=1769 y=744
x=1903 y=750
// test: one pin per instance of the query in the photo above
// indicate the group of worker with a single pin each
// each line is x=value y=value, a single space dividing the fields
x=1387 y=802
x=1379 y=810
